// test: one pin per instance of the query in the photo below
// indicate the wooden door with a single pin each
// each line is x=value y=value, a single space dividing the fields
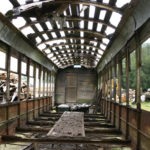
x=71 y=88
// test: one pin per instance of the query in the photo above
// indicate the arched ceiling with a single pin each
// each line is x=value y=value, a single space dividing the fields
x=70 y=32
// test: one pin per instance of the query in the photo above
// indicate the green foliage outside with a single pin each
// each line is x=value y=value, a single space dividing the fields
x=145 y=73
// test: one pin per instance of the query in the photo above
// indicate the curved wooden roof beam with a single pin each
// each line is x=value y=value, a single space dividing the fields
x=27 y=7
x=76 y=44
x=73 y=19
x=72 y=52
x=73 y=58
x=45 y=42
x=95 y=34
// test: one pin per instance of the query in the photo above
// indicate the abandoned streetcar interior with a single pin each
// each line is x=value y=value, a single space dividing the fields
x=75 y=75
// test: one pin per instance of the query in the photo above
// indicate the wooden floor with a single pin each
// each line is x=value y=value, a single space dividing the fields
x=70 y=124
x=82 y=132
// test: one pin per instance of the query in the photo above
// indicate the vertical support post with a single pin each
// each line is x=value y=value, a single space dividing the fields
x=138 y=88
x=120 y=85
x=127 y=91
x=34 y=87
x=39 y=90
x=8 y=75
x=43 y=88
x=8 y=85
x=19 y=86
x=114 y=91
x=28 y=90
x=110 y=92
x=47 y=90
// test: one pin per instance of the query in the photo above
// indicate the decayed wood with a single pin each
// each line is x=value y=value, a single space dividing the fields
x=87 y=130
x=70 y=124
x=56 y=140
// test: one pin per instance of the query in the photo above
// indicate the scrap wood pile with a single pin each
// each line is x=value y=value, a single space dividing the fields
x=13 y=88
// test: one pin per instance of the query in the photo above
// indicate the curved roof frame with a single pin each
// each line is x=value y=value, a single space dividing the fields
x=69 y=11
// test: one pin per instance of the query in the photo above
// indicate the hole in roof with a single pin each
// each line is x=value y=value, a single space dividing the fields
x=33 y=18
x=121 y=3
x=87 y=47
x=82 y=24
x=6 y=6
x=54 y=48
x=70 y=10
x=53 y=34
x=38 y=39
x=99 y=27
x=82 y=34
x=82 y=9
x=39 y=27
x=50 y=55
x=41 y=46
x=57 y=53
x=45 y=36
x=62 y=33
x=22 y=2
x=100 y=52
x=65 y=14
x=93 y=43
x=109 y=30
x=102 y=46
x=102 y=14
x=105 y=40
x=58 y=25
x=47 y=51
x=35 y=0
x=67 y=23
x=66 y=46
x=27 y=31
x=19 y=22
x=56 y=42
x=92 y=11
x=71 y=40
x=82 y=41
x=60 y=47
x=106 y=1
x=49 y=26
x=115 y=19
x=90 y=25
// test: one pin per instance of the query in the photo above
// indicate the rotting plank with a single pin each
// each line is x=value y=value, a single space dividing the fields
x=70 y=124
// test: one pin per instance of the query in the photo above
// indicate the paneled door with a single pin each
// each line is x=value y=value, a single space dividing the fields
x=71 y=88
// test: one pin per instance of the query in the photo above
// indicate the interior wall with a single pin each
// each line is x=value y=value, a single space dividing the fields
x=75 y=85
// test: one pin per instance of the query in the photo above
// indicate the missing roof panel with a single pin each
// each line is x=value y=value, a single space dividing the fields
x=115 y=19
x=90 y=25
x=27 y=30
x=102 y=14
x=49 y=26
x=121 y=3
x=19 y=22
x=39 y=27
x=92 y=11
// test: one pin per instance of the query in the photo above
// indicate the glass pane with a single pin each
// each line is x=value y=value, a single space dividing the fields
x=145 y=76
x=3 y=60
x=23 y=68
x=14 y=64
x=3 y=77
x=37 y=83
x=23 y=87
x=31 y=71
x=13 y=87
x=31 y=85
